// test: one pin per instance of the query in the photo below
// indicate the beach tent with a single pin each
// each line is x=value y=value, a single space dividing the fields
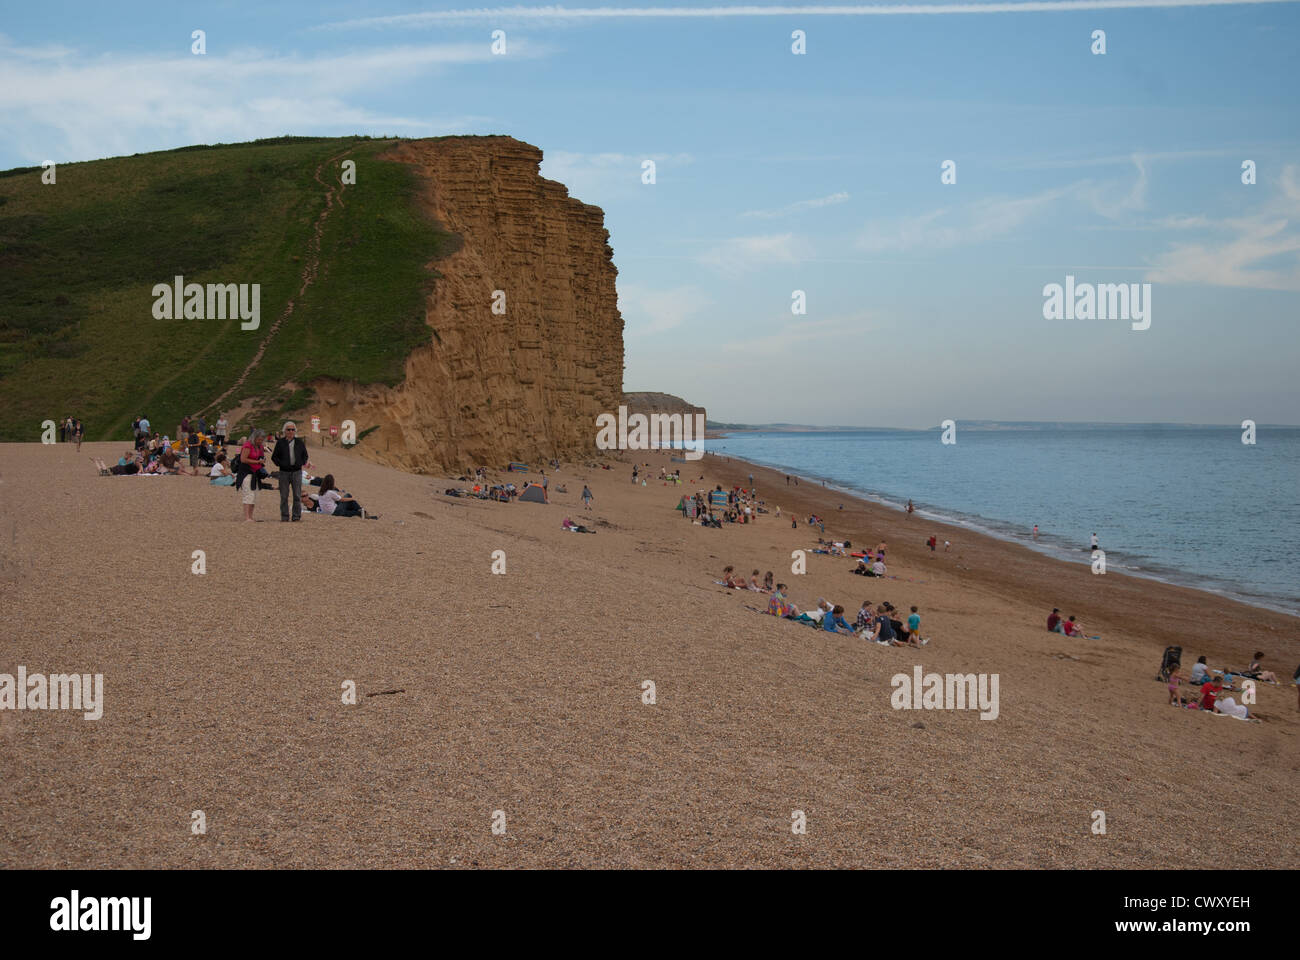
x=516 y=467
x=533 y=493
x=690 y=508
x=718 y=500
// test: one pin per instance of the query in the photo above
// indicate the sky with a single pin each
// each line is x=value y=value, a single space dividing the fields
x=820 y=172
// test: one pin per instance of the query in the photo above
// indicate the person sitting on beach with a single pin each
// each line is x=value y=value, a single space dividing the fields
x=754 y=584
x=779 y=606
x=817 y=615
x=1054 y=621
x=220 y=474
x=1200 y=671
x=768 y=581
x=333 y=502
x=834 y=621
x=901 y=635
x=1256 y=672
x=882 y=631
x=730 y=579
x=1210 y=692
x=1231 y=708
x=878 y=568
x=1072 y=629
x=863 y=621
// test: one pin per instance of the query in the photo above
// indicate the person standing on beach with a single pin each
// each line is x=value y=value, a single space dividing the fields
x=586 y=497
x=222 y=428
x=910 y=508
x=251 y=457
x=1035 y=531
x=1094 y=542
x=290 y=455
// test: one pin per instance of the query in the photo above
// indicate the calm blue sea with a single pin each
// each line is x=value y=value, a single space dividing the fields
x=1191 y=505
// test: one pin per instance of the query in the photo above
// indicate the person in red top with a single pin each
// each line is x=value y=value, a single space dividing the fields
x=1054 y=621
x=251 y=457
x=1209 y=693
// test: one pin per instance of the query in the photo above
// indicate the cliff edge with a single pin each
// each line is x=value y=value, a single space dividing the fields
x=525 y=344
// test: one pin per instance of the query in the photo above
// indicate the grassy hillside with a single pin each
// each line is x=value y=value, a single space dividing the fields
x=79 y=259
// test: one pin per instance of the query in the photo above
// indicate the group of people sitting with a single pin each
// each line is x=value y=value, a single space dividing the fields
x=716 y=507
x=878 y=624
x=247 y=471
x=1213 y=683
x=1068 y=626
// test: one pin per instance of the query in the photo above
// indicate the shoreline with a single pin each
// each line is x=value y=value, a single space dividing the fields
x=983 y=553
x=983 y=526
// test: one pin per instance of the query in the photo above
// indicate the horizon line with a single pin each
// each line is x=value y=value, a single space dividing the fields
x=939 y=426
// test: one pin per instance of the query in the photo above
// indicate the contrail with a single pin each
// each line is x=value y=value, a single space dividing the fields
x=816 y=10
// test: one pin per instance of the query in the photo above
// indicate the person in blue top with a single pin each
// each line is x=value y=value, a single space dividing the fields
x=834 y=621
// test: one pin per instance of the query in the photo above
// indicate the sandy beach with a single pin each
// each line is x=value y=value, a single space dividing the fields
x=523 y=693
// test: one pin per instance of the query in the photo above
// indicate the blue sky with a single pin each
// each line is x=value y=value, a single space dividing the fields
x=818 y=172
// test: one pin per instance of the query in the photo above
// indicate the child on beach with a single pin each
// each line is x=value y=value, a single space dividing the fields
x=1174 y=681
x=1210 y=692
x=586 y=497
x=914 y=627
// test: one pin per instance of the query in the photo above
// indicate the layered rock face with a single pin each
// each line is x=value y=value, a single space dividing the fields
x=523 y=384
x=648 y=403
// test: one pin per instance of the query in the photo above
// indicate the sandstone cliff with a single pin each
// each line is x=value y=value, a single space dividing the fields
x=526 y=384
x=648 y=403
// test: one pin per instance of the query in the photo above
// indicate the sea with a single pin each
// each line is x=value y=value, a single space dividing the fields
x=1184 y=504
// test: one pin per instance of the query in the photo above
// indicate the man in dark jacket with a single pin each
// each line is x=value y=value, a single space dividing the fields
x=290 y=456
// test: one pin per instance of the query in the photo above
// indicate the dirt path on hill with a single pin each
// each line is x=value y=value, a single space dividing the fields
x=309 y=272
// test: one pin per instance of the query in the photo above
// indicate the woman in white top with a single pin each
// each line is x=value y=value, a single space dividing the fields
x=219 y=475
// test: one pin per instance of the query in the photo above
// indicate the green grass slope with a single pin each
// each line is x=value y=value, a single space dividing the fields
x=79 y=259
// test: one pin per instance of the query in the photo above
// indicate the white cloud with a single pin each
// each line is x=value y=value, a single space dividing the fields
x=1101 y=196
x=649 y=311
x=559 y=15
x=741 y=254
x=1260 y=252
x=592 y=176
x=799 y=206
x=975 y=222
x=71 y=105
